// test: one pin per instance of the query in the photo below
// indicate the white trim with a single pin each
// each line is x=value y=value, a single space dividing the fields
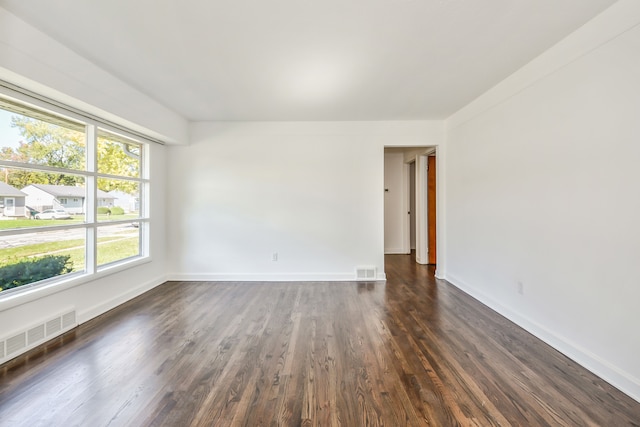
x=33 y=98
x=615 y=376
x=396 y=251
x=43 y=168
x=406 y=223
x=267 y=277
x=441 y=212
x=103 y=307
x=91 y=200
x=422 y=239
x=424 y=260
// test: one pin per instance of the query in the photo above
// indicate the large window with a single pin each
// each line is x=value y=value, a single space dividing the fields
x=72 y=195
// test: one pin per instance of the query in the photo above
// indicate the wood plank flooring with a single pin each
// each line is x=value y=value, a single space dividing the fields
x=414 y=351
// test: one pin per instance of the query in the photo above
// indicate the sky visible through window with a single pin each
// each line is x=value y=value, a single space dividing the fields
x=9 y=136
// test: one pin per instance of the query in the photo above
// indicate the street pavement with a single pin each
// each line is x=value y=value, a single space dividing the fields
x=62 y=235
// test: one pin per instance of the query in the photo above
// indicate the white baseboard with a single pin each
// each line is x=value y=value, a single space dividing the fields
x=422 y=261
x=103 y=307
x=267 y=277
x=615 y=376
x=396 y=251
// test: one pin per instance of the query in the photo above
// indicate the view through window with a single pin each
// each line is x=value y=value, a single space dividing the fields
x=71 y=196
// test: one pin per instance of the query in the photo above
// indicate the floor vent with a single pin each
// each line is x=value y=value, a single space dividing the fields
x=16 y=343
x=366 y=273
x=69 y=319
x=37 y=334
x=54 y=326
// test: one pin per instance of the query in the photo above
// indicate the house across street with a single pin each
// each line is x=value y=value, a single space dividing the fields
x=72 y=199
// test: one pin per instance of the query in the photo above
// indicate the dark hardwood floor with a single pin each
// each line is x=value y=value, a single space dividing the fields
x=414 y=351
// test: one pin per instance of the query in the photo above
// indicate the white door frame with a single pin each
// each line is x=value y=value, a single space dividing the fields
x=406 y=171
x=422 y=229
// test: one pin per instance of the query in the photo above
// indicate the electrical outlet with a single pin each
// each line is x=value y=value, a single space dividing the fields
x=274 y=256
x=520 y=288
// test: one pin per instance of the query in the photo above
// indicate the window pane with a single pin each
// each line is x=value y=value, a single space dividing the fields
x=117 y=242
x=39 y=204
x=54 y=143
x=118 y=155
x=28 y=258
x=118 y=199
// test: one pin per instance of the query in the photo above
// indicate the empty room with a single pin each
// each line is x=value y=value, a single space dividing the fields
x=305 y=213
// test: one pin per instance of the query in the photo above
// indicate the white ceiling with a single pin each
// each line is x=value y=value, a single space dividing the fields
x=309 y=59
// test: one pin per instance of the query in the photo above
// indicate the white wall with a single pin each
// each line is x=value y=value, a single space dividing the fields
x=35 y=61
x=310 y=191
x=395 y=204
x=542 y=188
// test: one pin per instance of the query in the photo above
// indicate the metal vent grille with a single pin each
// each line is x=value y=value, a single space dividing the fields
x=16 y=343
x=54 y=326
x=35 y=334
x=365 y=273
x=69 y=319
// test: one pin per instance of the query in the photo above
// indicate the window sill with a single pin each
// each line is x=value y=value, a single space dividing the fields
x=16 y=299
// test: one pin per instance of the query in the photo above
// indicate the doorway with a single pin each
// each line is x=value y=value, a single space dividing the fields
x=410 y=215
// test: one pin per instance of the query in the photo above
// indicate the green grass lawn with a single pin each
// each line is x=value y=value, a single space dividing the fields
x=11 y=255
x=26 y=223
x=117 y=249
x=110 y=248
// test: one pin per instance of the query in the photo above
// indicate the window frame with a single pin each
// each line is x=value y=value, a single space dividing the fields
x=92 y=271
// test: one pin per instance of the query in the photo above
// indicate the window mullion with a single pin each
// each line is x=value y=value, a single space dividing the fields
x=44 y=168
x=145 y=206
x=91 y=200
